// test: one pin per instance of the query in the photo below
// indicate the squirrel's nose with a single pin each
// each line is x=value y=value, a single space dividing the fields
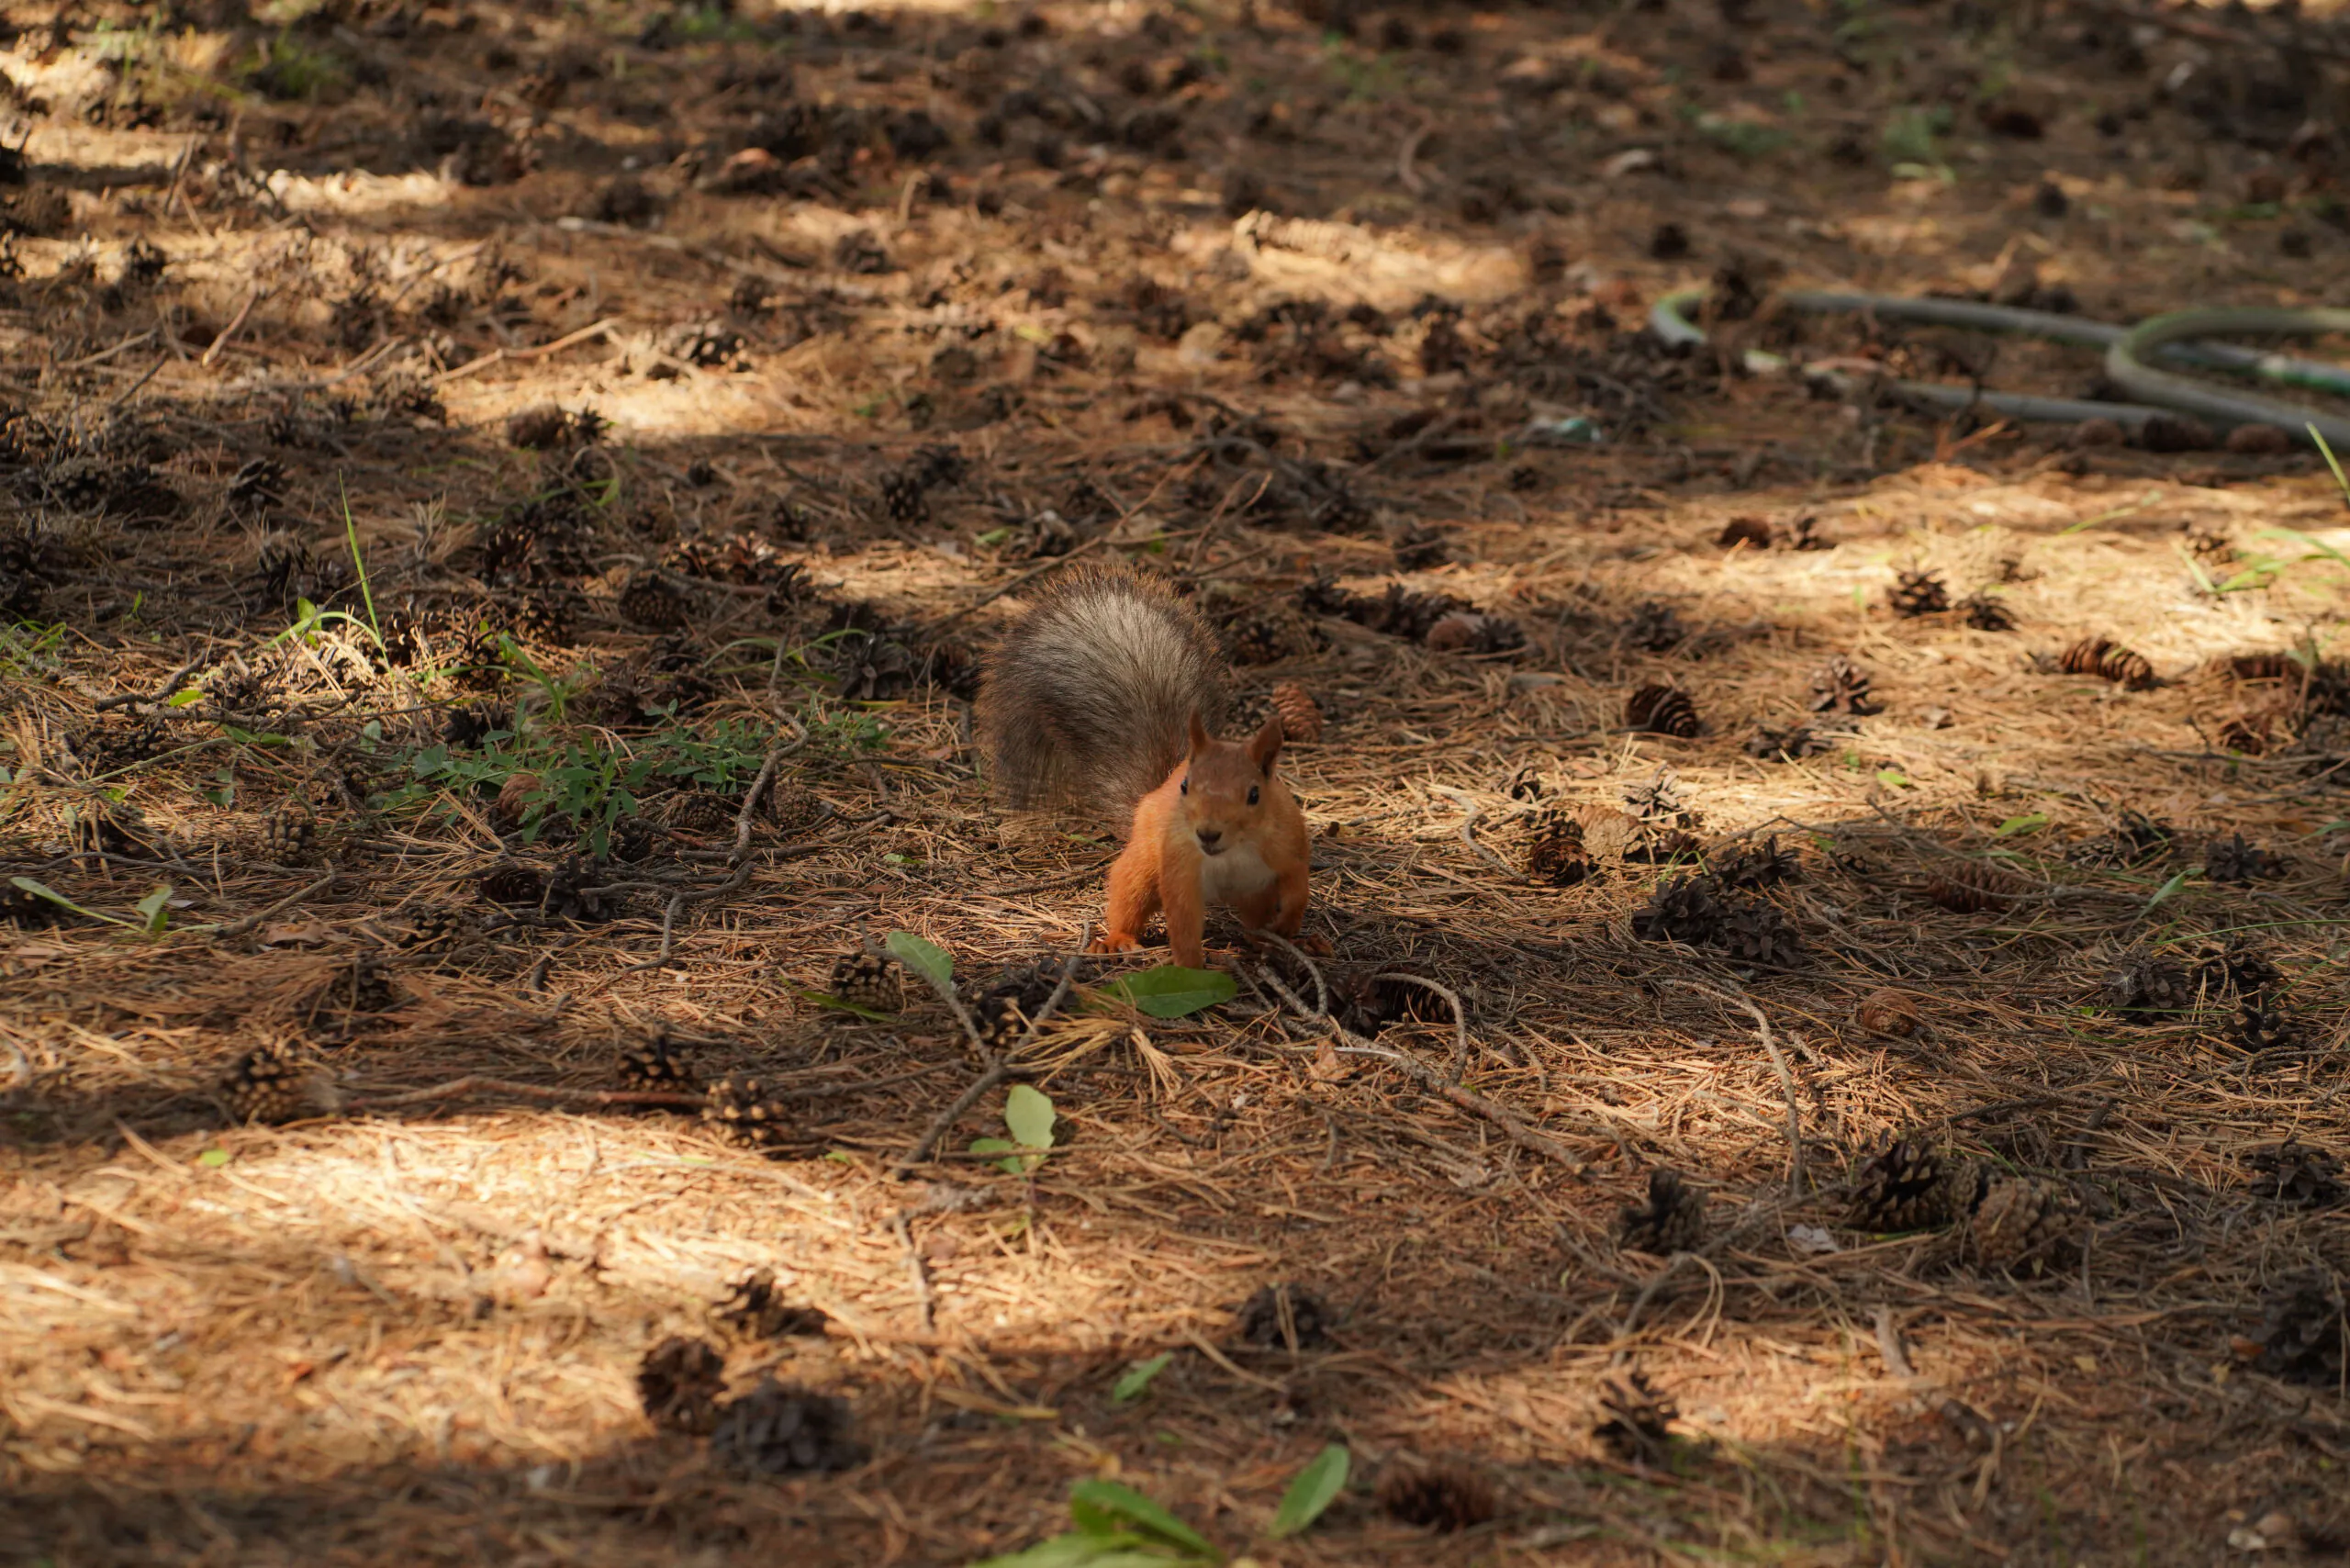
x=1210 y=835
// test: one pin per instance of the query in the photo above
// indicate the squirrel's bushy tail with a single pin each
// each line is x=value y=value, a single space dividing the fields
x=1087 y=700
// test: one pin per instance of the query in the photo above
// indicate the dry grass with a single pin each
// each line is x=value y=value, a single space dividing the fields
x=406 y=1324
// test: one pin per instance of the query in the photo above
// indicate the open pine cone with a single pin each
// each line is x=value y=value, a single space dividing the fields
x=679 y=1381
x=1974 y=888
x=650 y=599
x=1443 y=1497
x=1639 y=1428
x=2108 y=660
x=1260 y=1319
x=740 y=1112
x=868 y=980
x=2149 y=991
x=269 y=1083
x=1917 y=593
x=779 y=1429
x=756 y=1307
x=1673 y=1220
x=1840 y=685
x=1556 y=856
x=2300 y=1330
x=656 y=1066
x=289 y=834
x=1912 y=1185
x=2023 y=1224
x=2294 y=1173
x=2232 y=860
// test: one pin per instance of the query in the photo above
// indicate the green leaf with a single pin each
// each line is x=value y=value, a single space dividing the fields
x=156 y=907
x=2176 y=883
x=186 y=699
x=213 y=1157
x=1315 y=1488
x=1016 y=1161
x=823 y=999
x=43 y=890
x=1084 y=1550
x=1136 y=1378
x=1106 y=1508
x=924 y=957
x=2031 y=824
x=1893 y=778
x=1171 y=992
x=1030 y=1116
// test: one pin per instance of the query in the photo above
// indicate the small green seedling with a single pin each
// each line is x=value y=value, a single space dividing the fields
x=1136 y=1379
x=1029 y=1117
x=1117 y=1526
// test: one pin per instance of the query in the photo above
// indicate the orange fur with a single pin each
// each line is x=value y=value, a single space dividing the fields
x=1198 y=839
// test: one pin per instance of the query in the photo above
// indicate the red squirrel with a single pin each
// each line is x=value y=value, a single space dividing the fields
x=1105 y=697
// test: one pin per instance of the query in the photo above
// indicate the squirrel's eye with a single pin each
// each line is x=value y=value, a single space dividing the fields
x=1252 y=794
x=1185 y=787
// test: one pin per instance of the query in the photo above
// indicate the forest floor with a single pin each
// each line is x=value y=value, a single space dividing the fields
x=1869 y=1084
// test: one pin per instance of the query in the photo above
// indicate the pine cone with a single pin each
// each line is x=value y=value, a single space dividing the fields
x=1791 y=744
x=2248 y=732
x=656 y=1066
x=1260 y=640
x=679 y=1381
x=1556 y=857
x=1301 y=716
x=522 y=795
x=1639 y=1428
x=288 y=833
x=780 y=1429
x=1684 y=909
x=2232 y=860
x=1917 y=593
x=1886 y=1011
x=1840 y=685
x=1367 y=1004
x=1985 y=612
x=2149 y=991
x=2260 y=1026
x=795 y=809
x=571 y=892
x=1758 y=934
x=703 y=813
x=1748 y=530
x=1259 y=1319
x=1755 y=867
x=740 y=1112
x=651 y=600
x=1662 y=710
x=1673 y=1220
x=1466 y=631
x=2108 y=660
x=1659 y=800
x=902 y=497
x=1443 y=1497
x=2023 y=1224
x=1909 y=1185
x=633 y=840
x=2294 y=1173
x=268 y=1083
x=1974 y=888
x=2239 y=966
x=1002 y=1012
x=867 y=980
x=429 y=928
x=1655 y=628
x=2300 y=1330
x=756 y=1308
x=2139 y=838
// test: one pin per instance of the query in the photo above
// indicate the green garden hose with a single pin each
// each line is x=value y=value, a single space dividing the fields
x=2170 y=337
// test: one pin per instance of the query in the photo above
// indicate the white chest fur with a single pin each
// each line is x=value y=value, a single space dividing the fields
x=1233 y=875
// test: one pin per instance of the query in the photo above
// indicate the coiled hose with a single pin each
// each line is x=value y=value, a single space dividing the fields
x=2172 y=339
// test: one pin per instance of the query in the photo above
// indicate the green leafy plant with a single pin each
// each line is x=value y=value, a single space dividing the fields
x=925 y=958
x=1028 y=1117
x=1912 y=142
x=358 y=563
x=309 y=618
x=1136 y=1379
x=2341 y=480
x=1117 y=1526
x=1172 y=992
x=153 y=910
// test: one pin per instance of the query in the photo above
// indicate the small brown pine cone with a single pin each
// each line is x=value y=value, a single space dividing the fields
x=1557 y=856
x=740 y=1112
x=516 y=797
x=1639 y=1428
x=679 y=1381
x=2023 y=1224
x=289 y=834
x=1301 y=716
x=1887 y=1012
x=656 y=1066
x=651 y=600
x=1917 y=593
x=1662 y=710
x=1673 y=1220
x=702 y=812
x=268 y=1083
x=1972 y=887
x=1912 y=1185
x=868 y=980
x=1443 y=1497
x=2108 y=660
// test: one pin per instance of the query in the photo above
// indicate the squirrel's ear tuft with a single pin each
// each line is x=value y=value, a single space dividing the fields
x=1199 y=738
x=1264 y=745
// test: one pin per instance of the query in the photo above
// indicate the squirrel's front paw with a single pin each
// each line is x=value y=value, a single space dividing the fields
x=1116 y=942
